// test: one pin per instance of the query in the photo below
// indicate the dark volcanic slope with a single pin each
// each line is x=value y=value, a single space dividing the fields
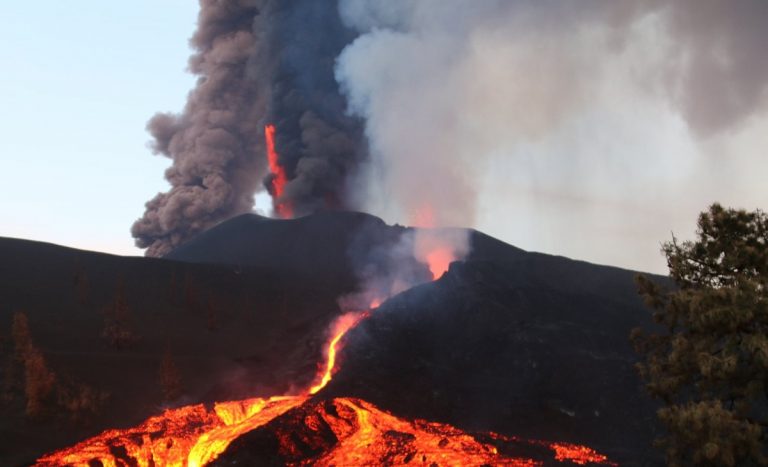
x=331 y=245
x=336 y=245
x=523 y=343
x=232 y=332
x=509 y=347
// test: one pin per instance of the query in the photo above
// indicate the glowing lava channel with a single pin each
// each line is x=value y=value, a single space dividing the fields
x=196 y=435
x=343 y=324
x=279 y=177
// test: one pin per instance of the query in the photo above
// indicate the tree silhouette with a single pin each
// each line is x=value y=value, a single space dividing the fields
x=710 y=367
x=38 y=382
x=38 y=379
x=117 y=330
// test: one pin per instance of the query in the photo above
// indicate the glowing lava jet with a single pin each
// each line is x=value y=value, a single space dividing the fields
x=431 y=246
x=279 y=177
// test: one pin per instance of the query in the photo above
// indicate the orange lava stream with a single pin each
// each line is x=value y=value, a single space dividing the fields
x=196 y=435
x=236 y=423
x=280 y=179
x=371 y=441
x=352 y=432
x=343 y=324
x=189 y=436
x=581 y=455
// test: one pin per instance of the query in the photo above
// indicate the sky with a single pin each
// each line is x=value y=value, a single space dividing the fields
x=79 y=82
x=614 y=175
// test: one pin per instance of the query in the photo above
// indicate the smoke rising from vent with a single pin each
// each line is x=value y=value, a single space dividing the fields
x=445 y=85
x=259 y=62
x=561 y=115
x=470 y=110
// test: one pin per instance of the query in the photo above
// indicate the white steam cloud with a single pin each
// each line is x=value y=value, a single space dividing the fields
x=585 y=128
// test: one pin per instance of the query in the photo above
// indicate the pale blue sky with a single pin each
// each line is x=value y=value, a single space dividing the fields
x=79 y=81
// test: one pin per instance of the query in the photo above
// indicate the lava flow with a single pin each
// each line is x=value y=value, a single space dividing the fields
x=343 y=324
x=279 y=177
x=308 y=431
x=360 y=433
x=195 y=435
x=352 y=432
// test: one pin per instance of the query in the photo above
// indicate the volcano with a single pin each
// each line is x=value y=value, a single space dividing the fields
x=508 y=357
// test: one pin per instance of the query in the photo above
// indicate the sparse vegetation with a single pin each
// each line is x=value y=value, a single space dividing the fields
x=710 y=367
x=38 y=379
x=43 y=389
x=80 y=401
x=117 y=331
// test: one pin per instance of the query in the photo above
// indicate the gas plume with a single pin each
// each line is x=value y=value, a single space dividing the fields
x=258 y=62
x=545 y=111
x=545 y=107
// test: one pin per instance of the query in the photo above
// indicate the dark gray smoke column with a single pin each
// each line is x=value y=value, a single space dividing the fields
x=258 y=62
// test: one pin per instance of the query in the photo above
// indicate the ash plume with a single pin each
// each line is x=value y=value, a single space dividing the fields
x=258 y=62
x=468 y=110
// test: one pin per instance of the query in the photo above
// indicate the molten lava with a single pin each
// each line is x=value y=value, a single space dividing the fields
x=308 y=431
x=343 y=324
x=438 y=261
x=431 y=247
x=279 y=177
x=192 y=435
x=195 y=435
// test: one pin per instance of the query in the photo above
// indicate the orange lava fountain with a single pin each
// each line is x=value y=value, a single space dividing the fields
x=280 y=178
x=439 y=260
x=430 y=247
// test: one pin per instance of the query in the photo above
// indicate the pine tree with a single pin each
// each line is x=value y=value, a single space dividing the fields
x=117 y=330
x=710 y=367
x=38 y=379
x=38 y=382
